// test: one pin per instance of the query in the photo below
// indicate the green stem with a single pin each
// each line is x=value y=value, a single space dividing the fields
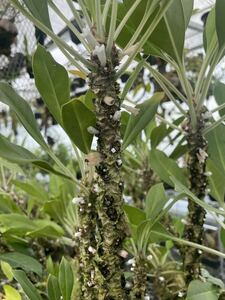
x=112 y=27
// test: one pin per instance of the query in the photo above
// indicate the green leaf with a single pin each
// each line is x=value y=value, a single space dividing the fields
x=155 y=201
x=209 y=30
x=219 y=93
x=148 y=232
x=66 y=279
x=180 y=188
x=7 y=270
x=46 y=228
x=11 y=293
x=20 y=155
x=52 y=82
x=216 y=147
x=165 y=167
x=33 y=189
x=25 y=262
x=199 y=290
x=137 y=123
x=158 y=134
x=82 y=118
x=22 y=111
x=220 y=22
x=134 y=214
x=53 y=288
x=216 y=181
x=39 y=9
x=28 y=288
x=169 y=35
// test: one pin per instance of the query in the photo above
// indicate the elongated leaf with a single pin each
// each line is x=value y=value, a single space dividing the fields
x=199 y=290
x=76 y=120
x=137 y=123
x=20 y=155
x=7 y=270
x=134 y=214
x=220 y=22
x=155 y=201
x=33 y=189
x=53 y=288
x=165 y=167
x=52 y=82
x=46 y=228
x=216 y=147
x=25 y=262
x=28 y=288
x=66 y=279
x=39 y=9
x=169 y=35
x=179 y=187
x=216 y=181
x=219 y=93
x=11 y=293
x=22 y=111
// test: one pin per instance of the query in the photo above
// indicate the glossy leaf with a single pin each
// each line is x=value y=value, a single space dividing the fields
x=209 y=30
x=39 y=9
x=220 y=22
x=22 y=111
x=53 y=289
x=137 y=123
x=199 y=290
x=25 y=262
x=11 y=293
x=77 y=129
x=216 y=147
x=216 y=181
x=219 y=93
x=28 y=288
x=155 y=201
x=52 y=82
x=33 y=189
x=165 y=167
x=46 y=228
x=20 y=155
x=66 y=279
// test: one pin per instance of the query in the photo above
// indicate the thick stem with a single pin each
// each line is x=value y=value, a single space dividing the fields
x=139 y=279
x=87 y=243
x=198 y=183
x=109 y=203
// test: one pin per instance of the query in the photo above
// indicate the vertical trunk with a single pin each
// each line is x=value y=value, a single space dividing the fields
x=87 y=242
x=198 y=183
x=139 y=279
x=109 y=204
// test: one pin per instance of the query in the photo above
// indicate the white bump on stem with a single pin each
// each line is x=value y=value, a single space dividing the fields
x=91 y=250
x=78 y=200
x=92 y=130
x=109 y=100
x=99 y=51
x=116 y=115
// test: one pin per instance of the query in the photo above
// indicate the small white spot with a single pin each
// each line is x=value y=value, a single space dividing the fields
x=119 y=162
x=207 y=174
x=149 y=257
x=113 y=150
x=77 y=234
x=78 y=200
x=91 y=250
x=180 y=294
x=89 y=204
x=199 y=251
x=161 y=278
x=117 y=115
x=92 y=130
